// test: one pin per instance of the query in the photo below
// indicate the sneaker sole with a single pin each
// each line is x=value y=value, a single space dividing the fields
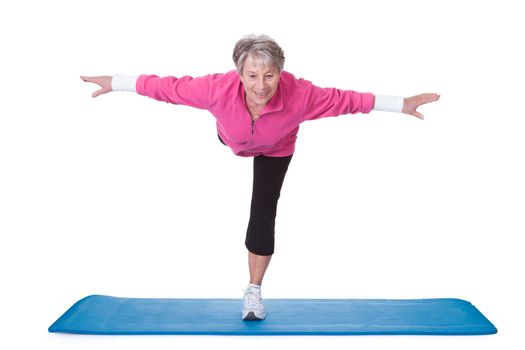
x=251 y=317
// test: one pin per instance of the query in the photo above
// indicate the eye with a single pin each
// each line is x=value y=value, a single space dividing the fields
x=269 y=76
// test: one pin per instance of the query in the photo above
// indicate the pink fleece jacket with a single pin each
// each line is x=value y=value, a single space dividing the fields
x=274 y=133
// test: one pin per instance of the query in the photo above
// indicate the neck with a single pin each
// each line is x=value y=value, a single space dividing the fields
x=254 y=109
x=253 y=105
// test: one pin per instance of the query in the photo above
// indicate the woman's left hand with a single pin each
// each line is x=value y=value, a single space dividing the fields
x=411 y=104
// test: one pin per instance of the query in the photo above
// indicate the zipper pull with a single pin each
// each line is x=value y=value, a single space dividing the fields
x=253 y=123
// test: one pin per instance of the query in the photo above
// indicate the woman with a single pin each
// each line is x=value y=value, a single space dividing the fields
x=258 y=109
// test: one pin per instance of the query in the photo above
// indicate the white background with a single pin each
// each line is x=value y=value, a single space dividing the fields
x=126 y=196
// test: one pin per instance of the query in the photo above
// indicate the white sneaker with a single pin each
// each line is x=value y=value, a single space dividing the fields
x=253 y=309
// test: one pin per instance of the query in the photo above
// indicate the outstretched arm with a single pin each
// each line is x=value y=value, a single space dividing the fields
x=327 y=102
x=186 y=90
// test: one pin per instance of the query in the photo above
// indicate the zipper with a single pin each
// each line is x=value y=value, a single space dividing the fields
x=252 y=126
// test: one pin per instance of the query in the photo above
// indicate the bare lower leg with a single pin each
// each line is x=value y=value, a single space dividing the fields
x=258 y=265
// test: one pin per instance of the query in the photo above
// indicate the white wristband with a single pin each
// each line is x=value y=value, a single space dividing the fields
x=389 y=103
x=122 y=82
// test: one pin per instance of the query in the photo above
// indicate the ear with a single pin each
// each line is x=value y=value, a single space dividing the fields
x=241 y=77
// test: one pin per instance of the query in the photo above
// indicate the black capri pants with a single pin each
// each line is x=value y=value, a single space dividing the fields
x=268 y=178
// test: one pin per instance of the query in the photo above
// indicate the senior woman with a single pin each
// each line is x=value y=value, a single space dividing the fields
x=258 y=109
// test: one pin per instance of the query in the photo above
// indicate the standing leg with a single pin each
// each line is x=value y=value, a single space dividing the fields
x=268 y=177
x=258 y=265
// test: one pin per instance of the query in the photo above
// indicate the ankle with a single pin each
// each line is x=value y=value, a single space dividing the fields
x=254 y=287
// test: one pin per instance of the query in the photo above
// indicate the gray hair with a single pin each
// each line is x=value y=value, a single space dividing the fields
x=258 y=46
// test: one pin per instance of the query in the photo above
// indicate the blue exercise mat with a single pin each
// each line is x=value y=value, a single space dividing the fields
x=98 y=314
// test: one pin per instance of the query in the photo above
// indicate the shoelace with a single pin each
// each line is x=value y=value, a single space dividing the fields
x=253 y=299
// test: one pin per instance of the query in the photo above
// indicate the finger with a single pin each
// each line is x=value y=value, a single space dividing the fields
x=418 y=115
x=94 y=80
x=87 y=79
x=98 y=93
x=433 y=97
x=427 y=98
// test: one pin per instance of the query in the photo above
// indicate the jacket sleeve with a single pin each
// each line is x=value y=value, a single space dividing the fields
x=186 y=90
x=331 y=102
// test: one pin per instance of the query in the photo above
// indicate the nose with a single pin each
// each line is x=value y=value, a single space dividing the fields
x=260 y=84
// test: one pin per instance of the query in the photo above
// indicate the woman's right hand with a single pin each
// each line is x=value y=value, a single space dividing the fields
x=103 y=81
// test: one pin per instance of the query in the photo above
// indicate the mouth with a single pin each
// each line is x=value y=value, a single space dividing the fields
x=261 y=94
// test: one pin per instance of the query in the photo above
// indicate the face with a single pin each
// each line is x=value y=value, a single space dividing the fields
x=260 y=82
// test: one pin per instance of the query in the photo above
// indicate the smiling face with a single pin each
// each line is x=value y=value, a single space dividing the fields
x=260 y=82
